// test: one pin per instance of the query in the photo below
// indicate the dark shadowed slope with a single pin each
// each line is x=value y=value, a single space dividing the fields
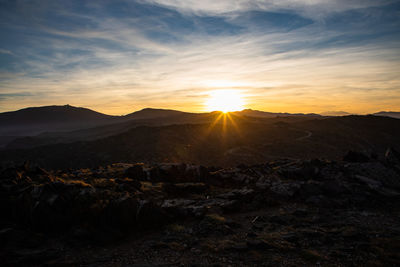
x=56 y=121
x=31 y=121
x=246 y=141
x=52 y=114
x=149 y=117
x=34 y=120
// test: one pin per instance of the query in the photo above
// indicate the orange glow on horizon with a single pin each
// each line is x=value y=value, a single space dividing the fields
x=225 y=101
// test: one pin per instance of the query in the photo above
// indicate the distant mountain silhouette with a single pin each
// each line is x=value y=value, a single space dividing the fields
x=335 y=113
x=264 y=114
x=52 y=114
x=151 y=113
x=391 y=114
x=37 y=126
x=35 y=120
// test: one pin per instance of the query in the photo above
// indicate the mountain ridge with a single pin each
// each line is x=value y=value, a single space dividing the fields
x=149 y=110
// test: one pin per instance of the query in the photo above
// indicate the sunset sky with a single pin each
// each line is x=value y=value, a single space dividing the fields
x=278 y=55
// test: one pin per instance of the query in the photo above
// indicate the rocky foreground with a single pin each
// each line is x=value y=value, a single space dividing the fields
x=285 y=212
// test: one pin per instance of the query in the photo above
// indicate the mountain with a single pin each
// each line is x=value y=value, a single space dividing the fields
x=225 y=143
x=335 y=113
x=391 y=114
x=34 y=120
x=55 y=123
x=151 y=113
x=50 y=125
x=263 y=114
x=52 y=114
x=35 y=126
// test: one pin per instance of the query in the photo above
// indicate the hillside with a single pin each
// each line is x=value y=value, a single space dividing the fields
x=246 y=140
x=31 y=121
x=54 y=124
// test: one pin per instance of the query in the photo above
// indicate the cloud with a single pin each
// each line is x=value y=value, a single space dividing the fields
x=226 y=7
x=4 y=51
x=118 y=58
x=14 y=95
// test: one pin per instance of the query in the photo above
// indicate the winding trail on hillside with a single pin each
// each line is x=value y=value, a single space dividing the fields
x=308 y=135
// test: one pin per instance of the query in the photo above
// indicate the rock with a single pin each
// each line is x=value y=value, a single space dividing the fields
x=238 y=194
x=311 y=188
x=212 y=224
x=333 y=188
x=241 y=246
x=151 y=215
x=258 y=244
x=392 y=156
x=182 y=208
x=388 y=176
x=178 y=173
x=290 y=237
x=196 y=173
x=185 y=188
x=169 y=172
x=354 y=156
x=319 y=201
x=35 y=256
x=301 y=170
x=11 y=236
x=373 y=184
x=58 y=205
x=136 y=172
x=127 y=184
x=121 y=213
x=226 y=178
x=285 y=189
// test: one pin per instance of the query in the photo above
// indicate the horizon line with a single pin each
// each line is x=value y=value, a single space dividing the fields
x=339 y=113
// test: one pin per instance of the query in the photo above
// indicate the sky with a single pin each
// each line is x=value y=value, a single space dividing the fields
x=118 y=56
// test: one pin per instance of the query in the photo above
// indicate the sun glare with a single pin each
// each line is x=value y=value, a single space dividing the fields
x=225 y=101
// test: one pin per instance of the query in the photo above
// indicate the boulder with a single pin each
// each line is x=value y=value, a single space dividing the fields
x=127 y=184
x=150 y=215
x=178 y=173
x=239 y=194
x=185 y=188
x=392 y=156
x=355 y=156
x=287 y=189
x=372 y=184
x=136 y=172
x=310 y=188
x=333 y=188
x=182 y=208
x=121 y=213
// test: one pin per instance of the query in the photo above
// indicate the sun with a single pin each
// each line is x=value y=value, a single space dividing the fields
x=225 y=101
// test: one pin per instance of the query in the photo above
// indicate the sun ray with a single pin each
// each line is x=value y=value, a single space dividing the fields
x=234 y=123
x=212 y=125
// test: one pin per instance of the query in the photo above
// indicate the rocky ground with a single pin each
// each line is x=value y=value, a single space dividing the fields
x=286 y=212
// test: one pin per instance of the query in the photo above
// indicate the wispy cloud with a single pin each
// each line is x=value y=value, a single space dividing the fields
x=310 y=8
x=120 y=56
